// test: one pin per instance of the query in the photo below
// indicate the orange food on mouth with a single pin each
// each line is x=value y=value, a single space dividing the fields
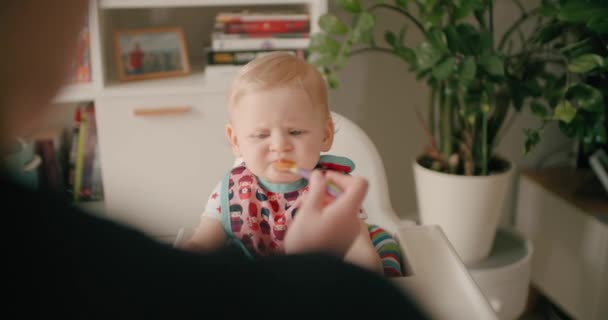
x=284 y=165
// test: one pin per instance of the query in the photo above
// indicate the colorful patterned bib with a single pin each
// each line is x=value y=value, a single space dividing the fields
x=256 y=214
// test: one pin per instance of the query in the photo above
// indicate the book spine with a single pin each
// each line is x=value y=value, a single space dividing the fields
x=71 y=168
x=259 y=44
x=279 y=26
x=90 y=146
x=229 y=36
x=80 y=156
x=243 y=17
x=242 y=57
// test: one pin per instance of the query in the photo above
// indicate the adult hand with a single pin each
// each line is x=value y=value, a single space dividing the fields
x=331 y=227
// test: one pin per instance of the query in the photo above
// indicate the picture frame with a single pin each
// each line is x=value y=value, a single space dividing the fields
x=150 y=53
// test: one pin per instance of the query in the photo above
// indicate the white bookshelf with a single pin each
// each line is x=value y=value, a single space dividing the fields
x=108 y=15
x=130 y=4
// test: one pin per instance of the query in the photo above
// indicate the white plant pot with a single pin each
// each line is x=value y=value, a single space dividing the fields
x=467 y=208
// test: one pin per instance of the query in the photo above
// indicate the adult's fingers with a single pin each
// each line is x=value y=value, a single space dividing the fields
x=354 y=190
x=353 y=185
x=316 y=193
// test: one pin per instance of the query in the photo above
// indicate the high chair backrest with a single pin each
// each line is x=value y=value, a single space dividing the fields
x=352 y=142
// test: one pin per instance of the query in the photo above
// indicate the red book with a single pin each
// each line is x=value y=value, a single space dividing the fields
x=276 y=26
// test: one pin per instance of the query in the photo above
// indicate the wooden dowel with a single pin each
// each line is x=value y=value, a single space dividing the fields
x=163 y=111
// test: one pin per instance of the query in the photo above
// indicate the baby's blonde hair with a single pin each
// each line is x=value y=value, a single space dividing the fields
x=280 y=69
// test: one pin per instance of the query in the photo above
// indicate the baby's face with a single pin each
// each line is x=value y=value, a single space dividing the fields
x=278 y=124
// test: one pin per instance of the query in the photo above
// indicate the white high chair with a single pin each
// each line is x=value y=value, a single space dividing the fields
x=436 y=278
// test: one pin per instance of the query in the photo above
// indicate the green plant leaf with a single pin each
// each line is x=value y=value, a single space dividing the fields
x=401 y=4
x=426 y=55
x=549 y=10
x=582 y=11
x=548 y=33
x=468 y=68
x=480 y=17
x=485 y=43
x=432 y=19
x=599 y=25
x=437 y=39
x=453 y=39
x=532 y=87
x=390 y=38
x=353 y=6
x=363 y=30
x=600 y=134
x=585 y=63
x=569 y=129
x=532 y=139
x=469 y=38
x=518 y=98
x=332 y=80
x=324 y=44
x=323 y=60
x=564 y=111
x=332 y=25
x=493 y=65
x=444 y=69
x=465 y=8
x=402 y=32
x=428 y=4
x=586 y=97
x=422 y=74
x=406 y=54
x=539 y=110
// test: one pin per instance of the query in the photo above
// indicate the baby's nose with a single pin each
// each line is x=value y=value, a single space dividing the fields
x=280 y=143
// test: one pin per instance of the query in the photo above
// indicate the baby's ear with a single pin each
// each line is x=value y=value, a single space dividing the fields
x=231 y=136
x=328 y=135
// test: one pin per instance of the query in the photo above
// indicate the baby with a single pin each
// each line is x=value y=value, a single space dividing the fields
x=278 y=112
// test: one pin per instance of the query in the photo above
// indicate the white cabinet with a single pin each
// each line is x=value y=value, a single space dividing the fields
x=156 y=136
x=154 y=153
x=568 y=227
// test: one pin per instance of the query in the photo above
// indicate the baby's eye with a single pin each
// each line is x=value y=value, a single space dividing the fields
x=296 y=132
x=260 y=135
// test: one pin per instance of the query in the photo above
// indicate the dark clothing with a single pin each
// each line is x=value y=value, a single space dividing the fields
x=64 y=263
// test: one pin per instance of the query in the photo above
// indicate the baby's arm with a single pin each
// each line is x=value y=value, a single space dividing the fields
x=210 y=234
x=363 y=253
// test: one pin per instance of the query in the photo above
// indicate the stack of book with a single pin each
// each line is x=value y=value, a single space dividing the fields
x=70 y=164
x=84 y=173
x=241 y=37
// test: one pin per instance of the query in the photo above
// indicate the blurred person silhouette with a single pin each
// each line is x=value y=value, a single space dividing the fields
x=67 y=263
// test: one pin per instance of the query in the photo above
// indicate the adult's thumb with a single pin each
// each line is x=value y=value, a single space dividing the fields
x=316 y=193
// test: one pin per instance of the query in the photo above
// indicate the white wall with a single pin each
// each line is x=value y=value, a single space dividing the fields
x=379 y=94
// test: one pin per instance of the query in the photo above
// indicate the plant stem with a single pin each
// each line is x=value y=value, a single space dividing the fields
x=491 y=23
x=446 y=122
x=431 y=120
x=403 y=12
x=379 y=49
x=484 y=144
x=521 y=6
x=515 y=26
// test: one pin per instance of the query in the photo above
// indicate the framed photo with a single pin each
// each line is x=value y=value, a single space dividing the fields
x=150 y=53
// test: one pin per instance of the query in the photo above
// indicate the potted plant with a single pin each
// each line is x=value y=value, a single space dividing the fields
x=476 y=79
x=573 y=39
